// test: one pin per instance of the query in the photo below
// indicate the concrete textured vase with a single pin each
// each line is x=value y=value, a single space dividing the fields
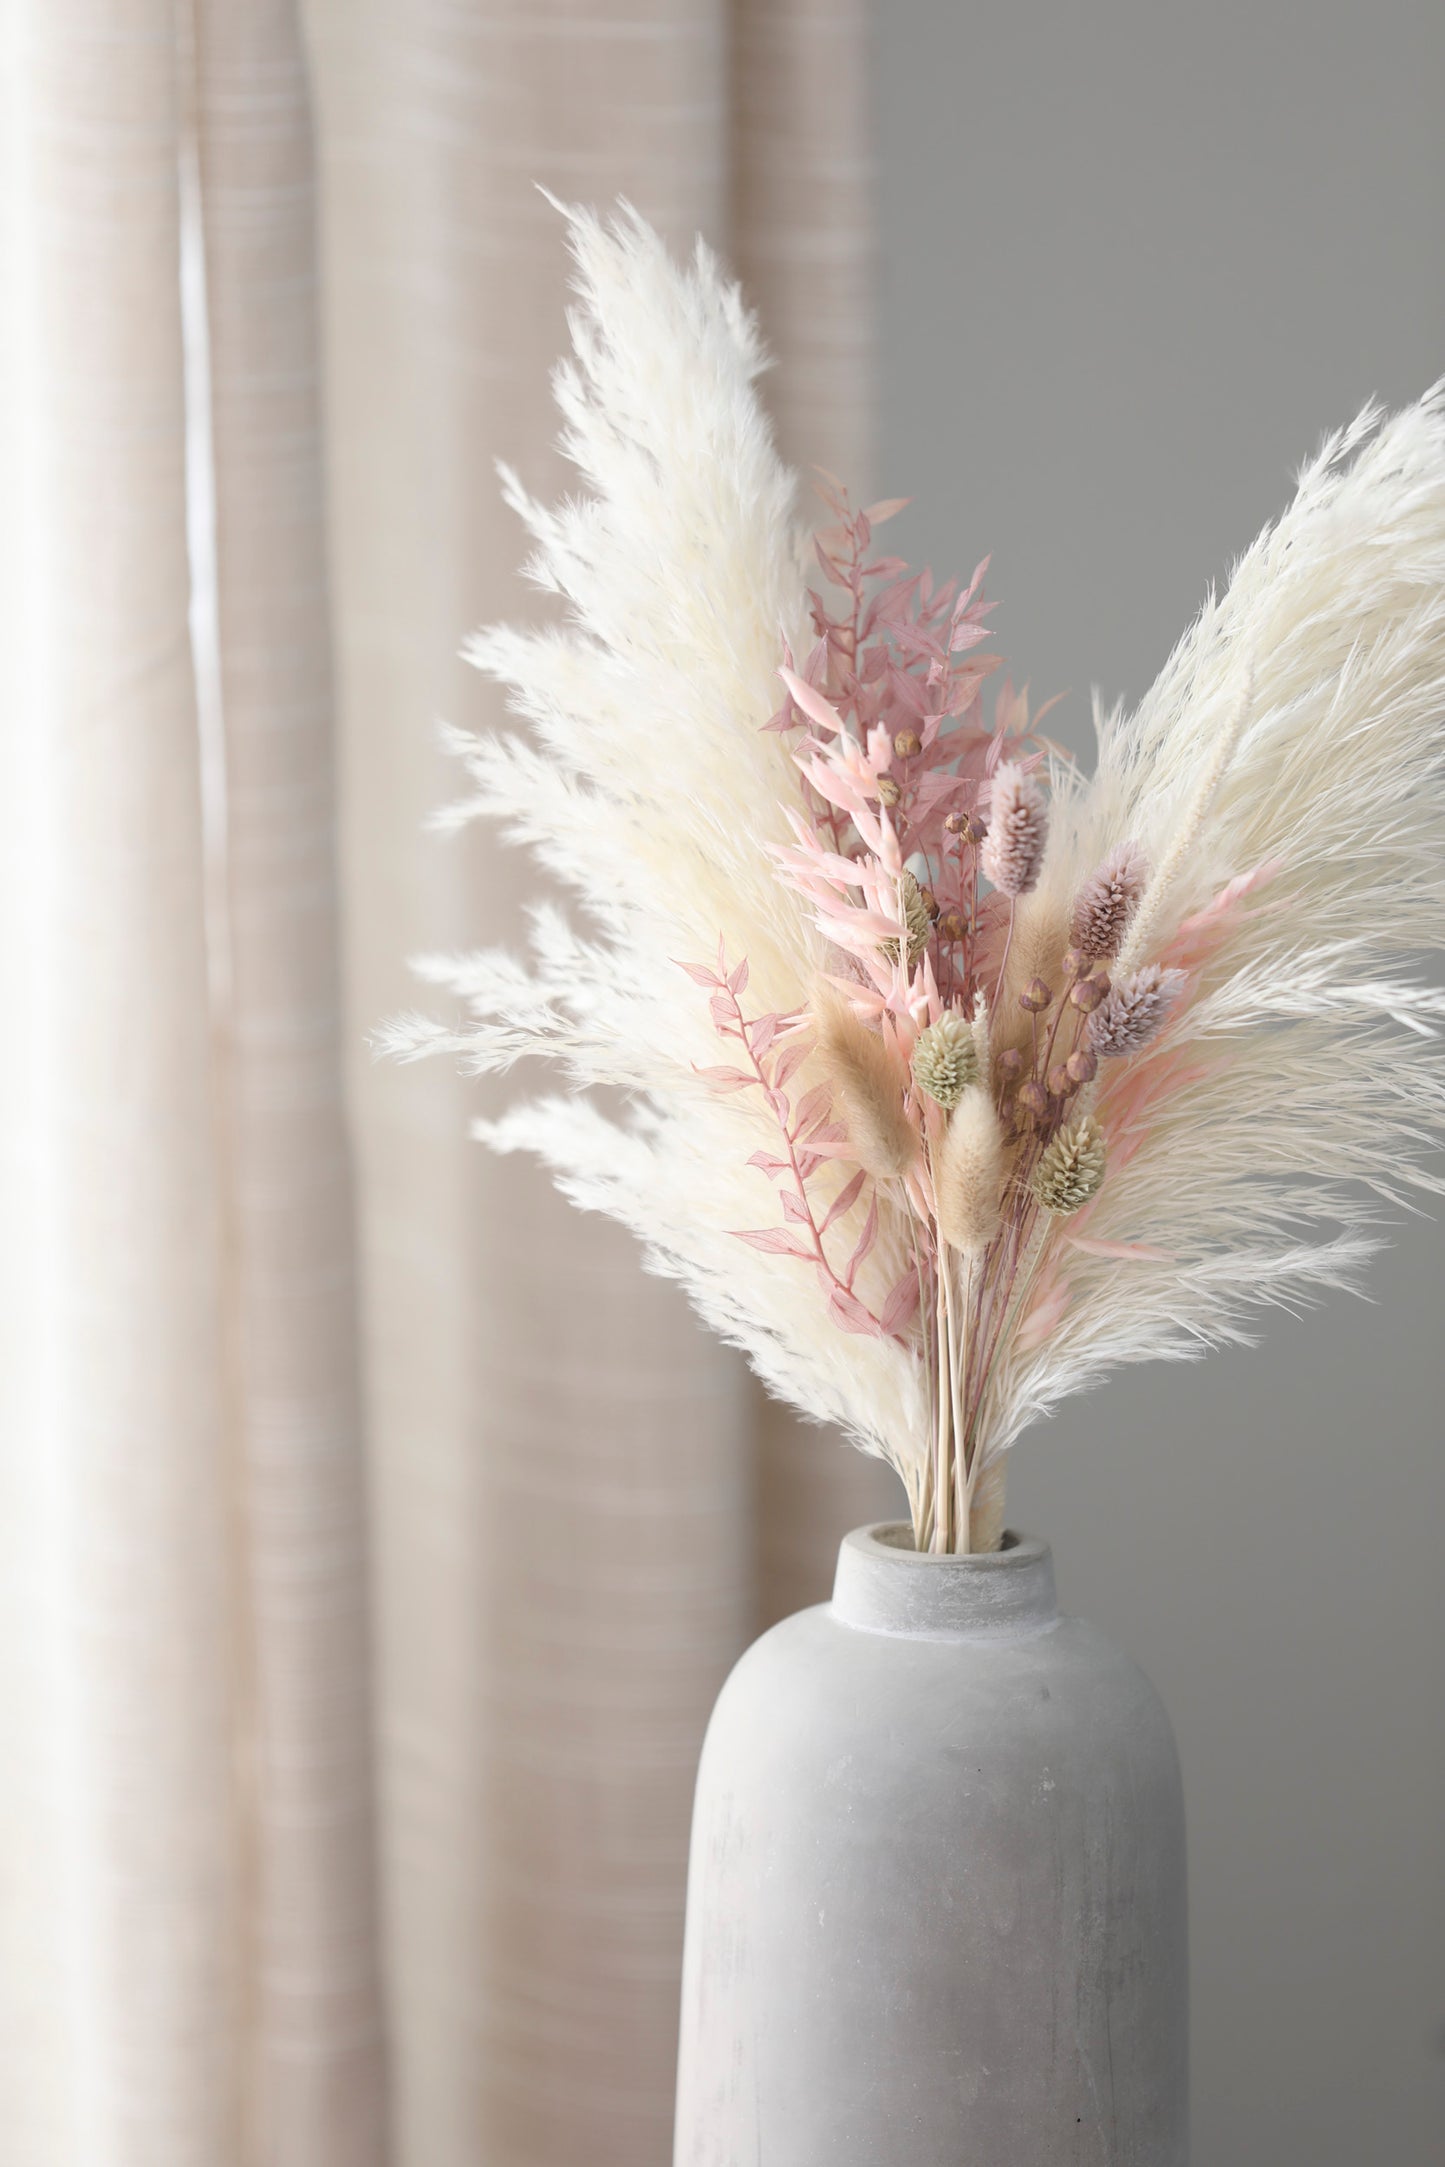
x=936 y=1905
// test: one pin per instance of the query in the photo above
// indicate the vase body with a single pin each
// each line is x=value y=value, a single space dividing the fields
x=936 y=1901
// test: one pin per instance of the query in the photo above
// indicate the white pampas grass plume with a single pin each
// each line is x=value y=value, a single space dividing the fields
x=1107 y=901
x=646 y=783
x=1018 y=828
x=868 y=1081
x=1287 y=774
x=1133 y=1011
x=968 y=1174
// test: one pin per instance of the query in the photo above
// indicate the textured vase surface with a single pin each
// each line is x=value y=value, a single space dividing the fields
x=936 y=1903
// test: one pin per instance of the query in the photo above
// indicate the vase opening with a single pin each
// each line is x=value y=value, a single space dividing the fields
x=884 y=1585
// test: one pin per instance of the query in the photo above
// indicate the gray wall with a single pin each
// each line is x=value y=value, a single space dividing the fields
x=1136 y=260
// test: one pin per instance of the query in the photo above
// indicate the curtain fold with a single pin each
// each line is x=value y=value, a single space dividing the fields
x=352 y=1684
x=313 y=2021
x=561 y=1460
x=119 y=1833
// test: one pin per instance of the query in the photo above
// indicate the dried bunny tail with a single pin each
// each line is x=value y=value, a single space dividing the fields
x=968 y=1174
x=868 y=1082
x=1018 y=829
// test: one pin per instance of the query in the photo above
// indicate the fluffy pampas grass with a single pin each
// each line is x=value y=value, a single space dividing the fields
x=943 y=1093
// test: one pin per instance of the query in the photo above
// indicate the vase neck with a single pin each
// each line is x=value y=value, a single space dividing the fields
x=884 y=1585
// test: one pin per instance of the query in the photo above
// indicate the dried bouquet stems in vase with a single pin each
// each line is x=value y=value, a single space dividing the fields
x=953 y=1077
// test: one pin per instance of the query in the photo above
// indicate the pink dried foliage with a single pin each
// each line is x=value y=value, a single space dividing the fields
x=775 y=1045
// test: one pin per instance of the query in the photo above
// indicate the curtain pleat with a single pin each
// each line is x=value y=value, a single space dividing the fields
x=561 y=1460
x=313 y=2032
x=117 y=1809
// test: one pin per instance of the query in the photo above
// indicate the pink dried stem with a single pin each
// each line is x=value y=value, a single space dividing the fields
x=776 y=1100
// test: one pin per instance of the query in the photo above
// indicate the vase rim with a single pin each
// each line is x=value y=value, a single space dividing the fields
x=884 y=1585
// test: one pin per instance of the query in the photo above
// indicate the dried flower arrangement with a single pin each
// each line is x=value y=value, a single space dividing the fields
x=954 y=1077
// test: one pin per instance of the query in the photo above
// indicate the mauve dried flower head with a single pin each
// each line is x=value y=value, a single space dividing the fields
x=1071 y=1168
x=1082 y=1065
x=1035 y=997
x=969 y=1175
x=1033 y=1098
x=1133 y=1011
x=956 y=824
x=1076 y=964
x=888 y=791
x=907 y=743
x=953 y=926
x=1018 y=828
x=1010 y=1063
x=1061 y=1083
x=945 y=1059
x=1088 y=993
x=1107 y=901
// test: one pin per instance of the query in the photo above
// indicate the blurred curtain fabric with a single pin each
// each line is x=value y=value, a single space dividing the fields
x=373 y=1535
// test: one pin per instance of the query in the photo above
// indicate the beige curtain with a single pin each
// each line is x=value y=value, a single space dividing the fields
x=361 y=1598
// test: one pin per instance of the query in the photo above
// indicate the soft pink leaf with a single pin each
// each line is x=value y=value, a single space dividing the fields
x=697 y=972
x=844 y=1201
x=775 y=1241
x=739 y=978
x=724 y=1079
x=846 y=1310
x=761 y=1035
x=865 y=1240
x=901 y=1303
x=813 y=1105
x=789 y=1061
x=887 y=508
x=768 y=1164
x=814 y=706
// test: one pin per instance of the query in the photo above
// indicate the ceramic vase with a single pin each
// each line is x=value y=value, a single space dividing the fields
x=936 y=1902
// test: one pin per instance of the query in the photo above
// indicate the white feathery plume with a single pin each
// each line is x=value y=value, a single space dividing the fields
x=1286 y=775
x=649 y=785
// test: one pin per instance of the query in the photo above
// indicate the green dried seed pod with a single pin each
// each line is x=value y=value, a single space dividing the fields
x=945 y=1060
x=1072 y=1167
